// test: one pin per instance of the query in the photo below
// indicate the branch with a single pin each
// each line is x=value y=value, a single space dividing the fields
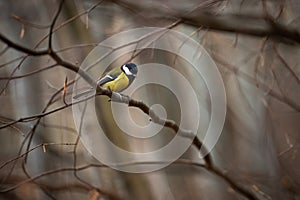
x=28 y=74
x=250 y=79
x=215 y=171
x=285 y=63
x=204 y=16
x=21 y=48
x=53 y=23
x=243 y=25
x=232 y=183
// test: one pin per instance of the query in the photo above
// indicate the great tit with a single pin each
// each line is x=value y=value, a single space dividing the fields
x=117 y=79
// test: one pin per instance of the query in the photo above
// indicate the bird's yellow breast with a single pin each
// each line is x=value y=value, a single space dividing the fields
x=119 y=84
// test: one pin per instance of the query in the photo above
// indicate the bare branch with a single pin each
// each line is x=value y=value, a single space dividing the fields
x=21 y=48
x=289 y=68
x=53 y=23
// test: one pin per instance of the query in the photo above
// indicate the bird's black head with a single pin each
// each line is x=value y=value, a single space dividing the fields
x=130 y=69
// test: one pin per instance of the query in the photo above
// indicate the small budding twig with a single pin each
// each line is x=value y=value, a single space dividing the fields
x=64 y=92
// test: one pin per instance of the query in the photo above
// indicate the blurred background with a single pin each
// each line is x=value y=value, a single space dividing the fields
x=255 y=45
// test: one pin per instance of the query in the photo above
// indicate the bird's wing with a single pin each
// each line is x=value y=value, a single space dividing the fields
x=105 y=79
x=112 y=75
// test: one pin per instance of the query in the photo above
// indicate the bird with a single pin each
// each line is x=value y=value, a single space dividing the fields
x=116 y=80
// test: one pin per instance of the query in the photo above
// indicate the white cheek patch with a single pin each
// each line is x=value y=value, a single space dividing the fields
x=126 y=70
